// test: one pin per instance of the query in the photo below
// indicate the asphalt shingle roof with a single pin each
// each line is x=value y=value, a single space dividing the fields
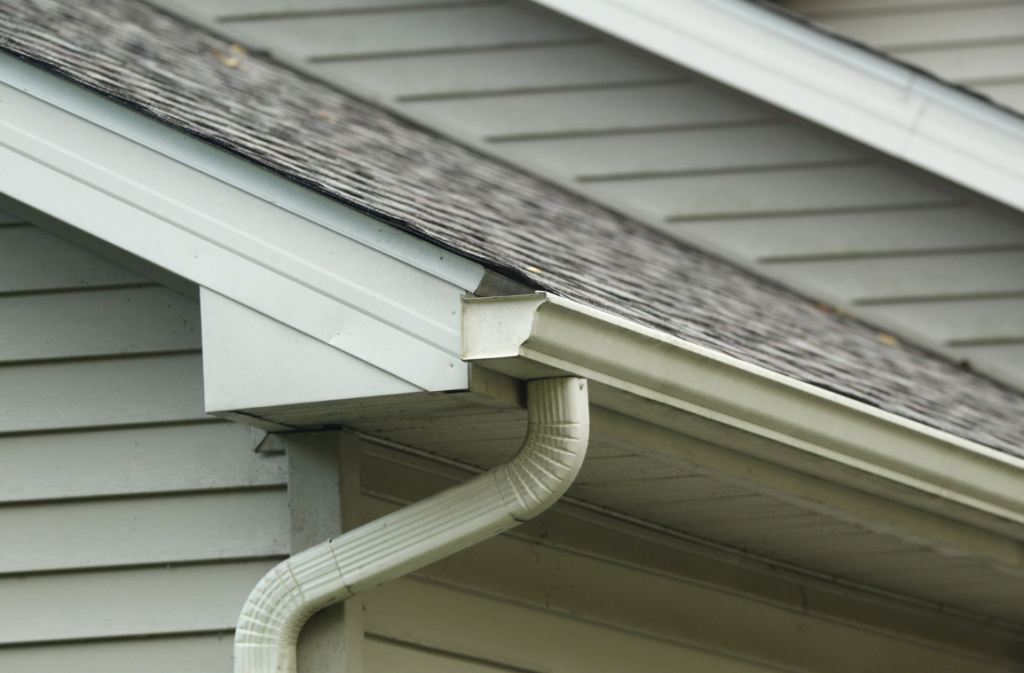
x=480 y=208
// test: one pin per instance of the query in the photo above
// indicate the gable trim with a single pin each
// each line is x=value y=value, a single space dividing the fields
x=237 y=172
x=842 y=86
x=63 y=154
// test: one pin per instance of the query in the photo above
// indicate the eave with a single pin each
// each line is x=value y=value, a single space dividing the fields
x=721 y=170
x=818 y=447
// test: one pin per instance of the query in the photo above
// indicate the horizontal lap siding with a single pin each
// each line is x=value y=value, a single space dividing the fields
x=98 y=393
x=125 y=511
x=507 y=118
x=429 y=626
x=275 y=7
x=868 y=233
x=330 y=37
x=925 y=27
x=501 y=631
x=732 y=510
x=933 y=276
x=585 y=63
x=684 y=152
x=145 y=530
x=385 y=656
x=132 y=602
x=34 y=260
x=755 y=193
x=98 y=322
x=508 y=604
x=150 y=459
x=210 y=653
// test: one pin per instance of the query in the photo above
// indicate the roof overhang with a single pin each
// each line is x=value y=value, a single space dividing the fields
x=265 y=254
x=273 y=259
x=710 y=409
x=840 y=85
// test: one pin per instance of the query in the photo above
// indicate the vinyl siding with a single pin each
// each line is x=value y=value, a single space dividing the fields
x=133 y=525
x=503 y=629
x=152 y=655
x=657 y=142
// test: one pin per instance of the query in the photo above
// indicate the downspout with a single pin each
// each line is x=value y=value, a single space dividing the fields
x=424 y=532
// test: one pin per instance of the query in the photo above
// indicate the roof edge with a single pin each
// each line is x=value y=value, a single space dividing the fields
x=826 y=79
x=233 y=170
x=753 y=410
x=221 y=223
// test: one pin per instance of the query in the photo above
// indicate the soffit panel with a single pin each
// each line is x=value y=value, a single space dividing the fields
x=699 y=502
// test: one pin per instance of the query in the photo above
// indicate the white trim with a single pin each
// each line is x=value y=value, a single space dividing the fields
x=668 y=382
x=347 y=291
x=849 y=89
x=293 y=369
x=239 y=173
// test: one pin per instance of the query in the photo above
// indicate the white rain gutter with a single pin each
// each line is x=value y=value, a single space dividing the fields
x=493 y=502
x=830 y=81
x=796 y=439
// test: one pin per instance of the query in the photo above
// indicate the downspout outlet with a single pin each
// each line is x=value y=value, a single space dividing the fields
x=417 y=535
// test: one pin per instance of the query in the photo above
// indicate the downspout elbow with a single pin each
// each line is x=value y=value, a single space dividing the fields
x=417 y=535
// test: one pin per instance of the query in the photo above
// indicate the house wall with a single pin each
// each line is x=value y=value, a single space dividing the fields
x=133 y=526
x=976 y=44
x=914 y=255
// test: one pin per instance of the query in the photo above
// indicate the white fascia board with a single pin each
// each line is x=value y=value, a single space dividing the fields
x=851 y=90
x=306 y=261
x=645 y=374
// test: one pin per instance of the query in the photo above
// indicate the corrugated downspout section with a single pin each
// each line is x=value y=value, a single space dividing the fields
x=542 y=470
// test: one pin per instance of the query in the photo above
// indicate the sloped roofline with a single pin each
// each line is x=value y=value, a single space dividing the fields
x=848 y=88
x=219 y=222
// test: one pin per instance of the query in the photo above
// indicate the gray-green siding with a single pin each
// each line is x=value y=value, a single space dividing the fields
x=133 y=525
